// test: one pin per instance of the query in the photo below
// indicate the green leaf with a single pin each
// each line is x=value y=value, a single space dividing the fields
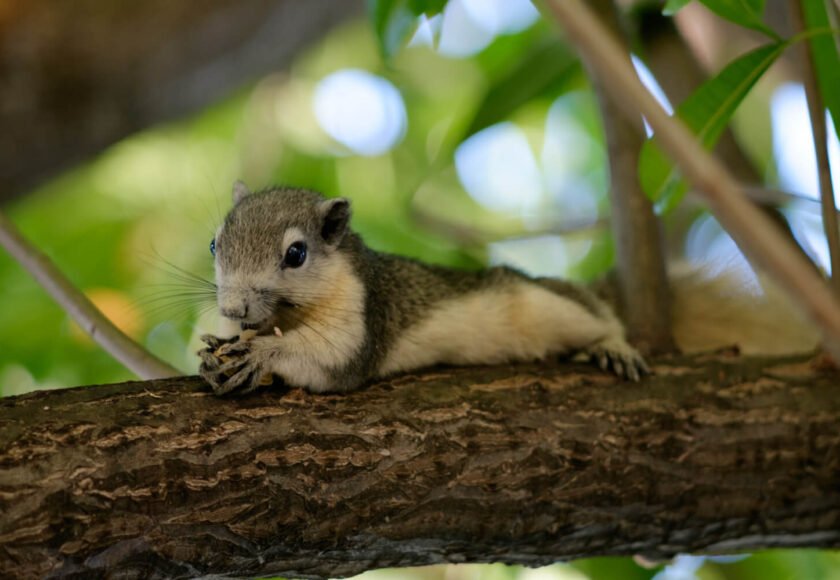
x=707 y=113
x=394 y=21
x=428 y=7
x=747 y=13
x=673 y=6
x=544 y=70
x=826 y=60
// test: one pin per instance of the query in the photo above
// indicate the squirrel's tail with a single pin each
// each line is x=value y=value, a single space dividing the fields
x=712 y=311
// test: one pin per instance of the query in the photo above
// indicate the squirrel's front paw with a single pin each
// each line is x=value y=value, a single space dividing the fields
x=230 y=366
x=215 y=342
x=616 y=355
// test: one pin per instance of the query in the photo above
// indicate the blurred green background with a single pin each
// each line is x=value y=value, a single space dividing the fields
x=478 y=143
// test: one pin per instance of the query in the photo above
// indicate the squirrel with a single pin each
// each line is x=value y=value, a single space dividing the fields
x=309 y=303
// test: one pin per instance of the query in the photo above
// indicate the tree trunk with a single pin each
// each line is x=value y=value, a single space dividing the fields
x=523 y=464
x=644 y=293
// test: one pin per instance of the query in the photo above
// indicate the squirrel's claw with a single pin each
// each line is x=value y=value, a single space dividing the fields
x=209 y=371
x=238 y=379
x=232 y=371
x=224 y=364
x=228 y=368
x=213 y=369
x=633 y=373
x=245 y=389
x=208 y=358
x=625 y=361
x=214 y=342
x=245 y=380
x=603 y=361
x=240 y=348
x=220 y=382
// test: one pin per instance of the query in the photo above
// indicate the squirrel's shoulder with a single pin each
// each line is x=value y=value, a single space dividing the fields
x=401 y=291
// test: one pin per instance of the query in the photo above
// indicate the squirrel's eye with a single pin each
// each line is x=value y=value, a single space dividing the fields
x=213 y=246
x=295 y=255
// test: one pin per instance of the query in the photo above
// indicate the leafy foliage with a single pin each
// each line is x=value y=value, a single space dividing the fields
x=673 y=6
x=544 y=71
x=395 y=20
x=707 y=112
x=747 y=13
x=826 y=61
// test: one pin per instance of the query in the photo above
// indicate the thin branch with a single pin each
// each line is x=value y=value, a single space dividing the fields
x=476 y=237
x=133 y=356
x=748 y=226
x=468 y=236
x=640 y=259
x=816 y=111
x=678 y=72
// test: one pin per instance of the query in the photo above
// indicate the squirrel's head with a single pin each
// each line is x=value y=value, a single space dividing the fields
x=277 y=254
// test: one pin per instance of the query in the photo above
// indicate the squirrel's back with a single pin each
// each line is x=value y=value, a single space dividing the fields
x=425 y=314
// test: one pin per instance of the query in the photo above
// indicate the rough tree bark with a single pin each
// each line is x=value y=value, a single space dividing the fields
x=77 y=76
x=524 y=464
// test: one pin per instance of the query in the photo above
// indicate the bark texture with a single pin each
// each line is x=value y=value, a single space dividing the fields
x=524 y=464
x=78 y=76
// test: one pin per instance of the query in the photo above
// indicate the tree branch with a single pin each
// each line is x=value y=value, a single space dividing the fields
x=816 y=111
x=119 y=345
x=524 y=464
x=640 y=260
x=750 y=229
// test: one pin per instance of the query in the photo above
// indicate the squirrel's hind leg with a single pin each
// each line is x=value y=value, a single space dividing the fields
x=611 y=351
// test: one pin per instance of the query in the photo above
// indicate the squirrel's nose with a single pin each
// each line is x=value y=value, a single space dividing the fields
x=235 y=312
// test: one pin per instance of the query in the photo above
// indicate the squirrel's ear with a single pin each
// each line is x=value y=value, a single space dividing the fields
x=240 y=191
x=336 y=216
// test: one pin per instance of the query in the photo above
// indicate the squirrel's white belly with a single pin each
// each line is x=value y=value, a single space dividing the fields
x=521 y=321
